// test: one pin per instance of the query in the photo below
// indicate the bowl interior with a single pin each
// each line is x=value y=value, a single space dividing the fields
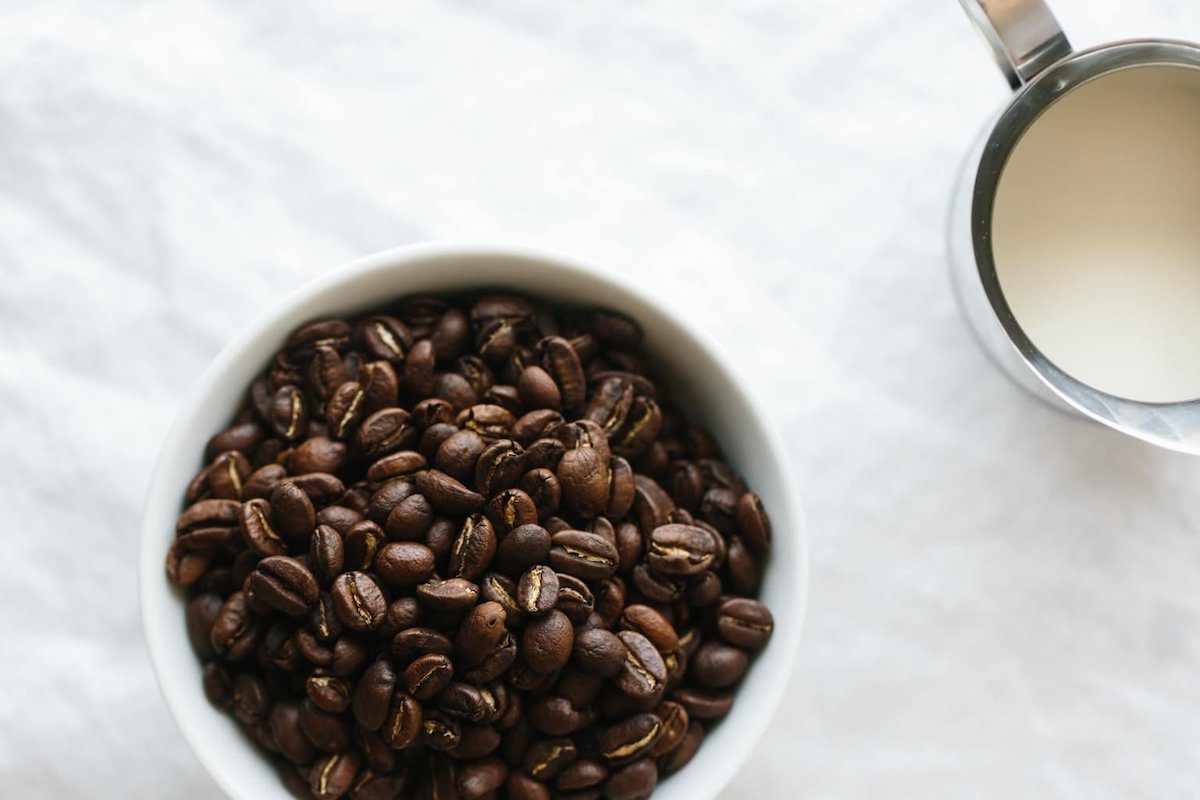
x=701 y=382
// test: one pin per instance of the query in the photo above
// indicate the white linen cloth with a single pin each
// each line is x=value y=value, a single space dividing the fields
x=1005 y=601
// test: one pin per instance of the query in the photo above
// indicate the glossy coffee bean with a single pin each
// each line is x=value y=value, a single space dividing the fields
x=644 y=673
x=358 y=601
x=404 y=564
x=600 y=652
x=745 y=622
x=284 y=584
x=587 y=556
x=537 y=591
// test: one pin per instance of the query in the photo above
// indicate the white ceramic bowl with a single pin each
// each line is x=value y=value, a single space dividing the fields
x=704 y=381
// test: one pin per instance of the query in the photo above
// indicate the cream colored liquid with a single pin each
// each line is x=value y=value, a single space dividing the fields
x=1096 y=233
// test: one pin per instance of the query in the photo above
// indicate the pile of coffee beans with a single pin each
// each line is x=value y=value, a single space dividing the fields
x=469 y=548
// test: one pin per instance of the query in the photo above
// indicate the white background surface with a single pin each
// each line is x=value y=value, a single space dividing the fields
x=1005 y=601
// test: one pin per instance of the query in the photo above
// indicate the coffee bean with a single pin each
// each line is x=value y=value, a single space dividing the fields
x=326 y=553
x=450 y=335
x=202 y=611
x=675 y=723
x=386 y=431
x=330 y=733
x=242 y=437
x=318 y=454
x=284 y=723
x=546 y=759
x=381 y=386
x=583 y=475
x=600 y=652
x=630 y=739
x=403 y=722
x=262 y=481
x=547 y=641
x=499 y=467
x=440 y=732
x=474 y=548
x=362 y=543
x=458 y=454
x=537 y=389
x=447 y=495
x=745 y=622
x=510 y=509
x=556 y=716
x=255 y=523
x=410 y=519
x=218 y=684
x=537 y=591
x=284 y=584
x=543 y=488
x=632 y=782
x=717 y=665
x=745 y=573
x=584 y=774
x=680 y=550
x=385 y=337
x=650 y=624
x=644 y=672
x=522 y=548
x=704 y=705
x=236 y=630
x=328 y=693
x=520 y=786
x=292 y=512
x=321 y=487
x=575 y=599
x=482 y=632
x=289 y=412
x=332 y=776
x=584 y=555
x=358 y=601
x=396 y=465
x=454 y=596
x=428 y=675
x=562 y=363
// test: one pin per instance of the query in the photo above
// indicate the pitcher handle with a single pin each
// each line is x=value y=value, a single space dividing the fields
x=1023 y=35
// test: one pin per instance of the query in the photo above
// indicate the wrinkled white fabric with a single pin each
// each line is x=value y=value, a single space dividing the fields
x=1005 y=601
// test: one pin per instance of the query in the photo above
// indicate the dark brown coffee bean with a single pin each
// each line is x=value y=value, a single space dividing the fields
x=547 y=641
x=373 y=695
x=185 y=567
x=753 y=522
x=289 y=412
x=284 y=723
x=284 y=584
x=451 y=335
x=475 y=741
x=745 y=573
x=546 y=759
x=575 y=599
x=641 y=429
x=644 y=672
x=650 y=623
x=410 y=519
x=404 y=564
x=236 y=630
x=610 y=404
x=345 y=409
x=583 y=476
x=585 y=555
x=327 y=693
x=482 y=632
x=495 y=663
x=704 y=705
x=538 y=389
x=332 y=776
x=535 y=430
x=447 y=495
x=675 y=723
x=362 y=544
x=717 y=665
x=292 y=511
x=403 y=723
x=381 y=386
x=227 y=475
x=218 y=685
x=654 y=586
x=522 y=548
x=440 y=732
x=386 y=431
x=520 y=786
x=318 y=454
x=703 y=590
x=387 y=497
x=511 y=509
x=408 y=644
x=584 y=774
x=455 y=596
x=501 y=589
x=419 y=368
x=332 y=333
x=499 y=467
x=458 y=454
x=397 y=465
x=263 y=480
x=600 y=652
x=251 y=698
x=242 y=437
x=630 y=739
x=385 y=338
x=555 y=716
x=428 y=675
x=321 y=487
x=202 y=611
x=326 y=553
x=537 y=591
x=543 y=488
x=745 y=622
x=209 y=514
x=562 y=363
x=651 y=504
x=468 y=702
x=474 y=548
x=257 y=529
x=489 y=421
x=358 y=601
x=633 y=782
x=330 y=733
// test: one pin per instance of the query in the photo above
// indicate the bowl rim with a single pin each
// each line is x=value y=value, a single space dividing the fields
x=785 y=648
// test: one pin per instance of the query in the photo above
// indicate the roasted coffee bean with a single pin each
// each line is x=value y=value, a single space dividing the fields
x=600 y=652
x=396 y=465
x=562 y=363
x=450 y=335
x=718 y=665
x=583 y=476
x=675 y=723
x=332 y=776
x=381 y=386
x=284 y=723
x=289 y=412
x=209 y=514
x=534 y=429
x=644 y=672
x=575 y=599
x=455 y=390
x=651 y=624
x=704 y=705
x=500 y=466
x=654 y=586
x=404 y=564
x=496 y=663
x=259 y=533
x=428 y=675
x=743 y=568
x=385 y=337
x=543 y=488
x=584 y=774
x=585 y=555
x=262 y=481
x=745 y=622
x=328 y=693
x=362 y=543
x=284 y=584
x=448 y=495
x=227 y=474
x=332 y=333
x=373 y=695
x=467 y=702
x=411 y=643
x=489 y=421
x=236 y=630
x=680 y=550
x=202 y=611
x=520 y=786
x=651 y=504
x=632 y=782
x=537 y=591
x=630 y=739
x=458 y=454
x=546 y=759
x=455 y=596
x=556 y=716
x=386 y=431
x=358 y=601
x=474 y=549
x=251 y=699
x=522 y=548
x=318 y=454
x=326 y=554
x=538 y=389
x=511 y=509
x=403 y=722
x=292 y=511
x=547 y=641
x=242 y=437
x=321 y=487
x=481 y=632
x=410 y=519
x=218 y=684
x=329 y=733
